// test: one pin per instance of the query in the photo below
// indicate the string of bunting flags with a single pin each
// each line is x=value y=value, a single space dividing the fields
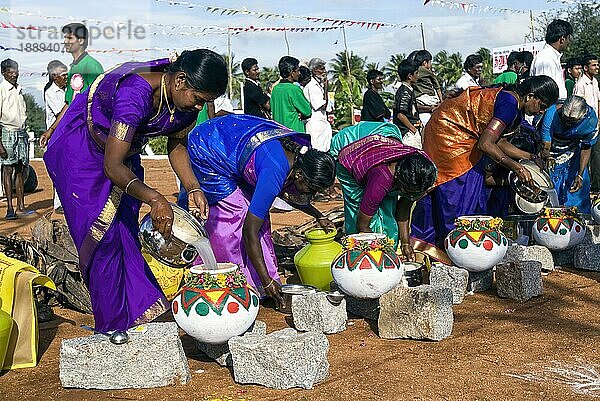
x=334 y=21
x=471 y=7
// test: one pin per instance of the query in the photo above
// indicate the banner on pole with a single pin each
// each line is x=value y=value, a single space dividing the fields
x=500 y=54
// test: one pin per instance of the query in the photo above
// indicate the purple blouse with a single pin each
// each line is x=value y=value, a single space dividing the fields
x=380 y=181
x=121 y=106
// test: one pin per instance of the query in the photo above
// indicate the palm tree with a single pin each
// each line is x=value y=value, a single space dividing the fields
x=237 y=78
x=348 y=84
x=391 y=68
x=448 y=67
x=269 y=74
x=487 y=75
x=371 y=66
x=339 y=67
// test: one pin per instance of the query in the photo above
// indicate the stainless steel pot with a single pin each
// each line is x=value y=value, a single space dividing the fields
x=177 y=251
x=535 y=194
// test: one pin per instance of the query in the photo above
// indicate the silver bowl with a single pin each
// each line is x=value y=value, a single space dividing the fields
x=177 y=251
x=537 y=193
x=289 y=290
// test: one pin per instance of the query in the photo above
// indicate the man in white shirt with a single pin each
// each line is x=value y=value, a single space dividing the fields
x=14 y=146
x=547 y=61
x=473 y=66
x=587 y=87
x=54 y=98
x=317 y=126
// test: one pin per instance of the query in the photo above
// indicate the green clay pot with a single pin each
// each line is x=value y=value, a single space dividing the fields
x=313 y=262
x=6 y=323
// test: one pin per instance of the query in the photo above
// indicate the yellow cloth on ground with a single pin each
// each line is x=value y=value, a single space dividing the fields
x=16 y=295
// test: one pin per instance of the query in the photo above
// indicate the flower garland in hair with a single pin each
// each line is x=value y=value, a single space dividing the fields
x=379 y=244
x=478 y=225
x=214 y=281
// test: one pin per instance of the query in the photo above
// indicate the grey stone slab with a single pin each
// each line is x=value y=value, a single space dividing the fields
x=566 y=257
x=516 y=253
x=314 y=312
x=594 y=233
x=220 y=352
x=422 y=313
x=587 y=257
x=480 y=281
x=283 y=359
x=154 y=358
x=365 y=308
x=451 y=277
x=521 y=280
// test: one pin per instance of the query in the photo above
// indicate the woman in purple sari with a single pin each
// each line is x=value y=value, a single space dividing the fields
x=243 y=163
x=93 y=158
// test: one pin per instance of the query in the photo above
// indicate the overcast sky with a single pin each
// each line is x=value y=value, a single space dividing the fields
x=450 y=29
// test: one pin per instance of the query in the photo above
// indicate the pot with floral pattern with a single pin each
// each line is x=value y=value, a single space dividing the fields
x=558 y=228
x=214 y=305
x=596 y=209
x=476 y=243
x=368 y=266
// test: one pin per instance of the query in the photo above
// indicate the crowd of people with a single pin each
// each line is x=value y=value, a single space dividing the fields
x=408 y=172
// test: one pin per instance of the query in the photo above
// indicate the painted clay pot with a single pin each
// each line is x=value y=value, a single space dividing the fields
x=313 y=262
x=214 y=305
x=476 y=244
x=368 y=266
x=558 y=228
x=596 y=210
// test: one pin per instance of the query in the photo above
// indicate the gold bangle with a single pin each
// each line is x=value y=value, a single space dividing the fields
x=191 y=191
x=130 y=182
x=580 y=177
x=268 y=285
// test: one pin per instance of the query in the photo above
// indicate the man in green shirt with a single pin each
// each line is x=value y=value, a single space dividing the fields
x=514 y=65
x=84 y=68
x=574 y=71
x=287 y=99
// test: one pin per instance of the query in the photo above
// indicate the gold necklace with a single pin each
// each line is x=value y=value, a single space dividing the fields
x=163 y=92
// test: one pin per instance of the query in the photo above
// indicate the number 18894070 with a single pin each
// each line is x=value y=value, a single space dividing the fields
x=42 y=47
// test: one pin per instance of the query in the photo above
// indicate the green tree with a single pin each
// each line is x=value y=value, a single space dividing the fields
x=36 y=116
x=237 y=80
x=268 y=74
x=487 y=75
x=585 y=19
x=448 y=67
x=347 y=86
x=391 y=68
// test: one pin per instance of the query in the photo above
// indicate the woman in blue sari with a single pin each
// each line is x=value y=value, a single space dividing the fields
x=569 y=132
x=243 y=163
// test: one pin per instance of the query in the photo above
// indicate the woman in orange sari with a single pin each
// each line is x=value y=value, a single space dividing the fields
x=464 y=133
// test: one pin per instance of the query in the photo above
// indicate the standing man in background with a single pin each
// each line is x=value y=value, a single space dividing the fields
x=374 y=108
x=84 y=68
x=587 y=87
x=14 y=146
x=54 y=99
x=547 y=61
x=315 y=91
x=287 y=99
x=256 y=102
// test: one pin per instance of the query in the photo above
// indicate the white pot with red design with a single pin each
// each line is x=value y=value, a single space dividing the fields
x=558 y=228
x=215 y=305
x=368 y=266
x=477 y=243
